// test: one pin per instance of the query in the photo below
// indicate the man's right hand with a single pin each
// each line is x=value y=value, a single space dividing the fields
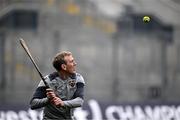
x=50 y=93
x=53 y=98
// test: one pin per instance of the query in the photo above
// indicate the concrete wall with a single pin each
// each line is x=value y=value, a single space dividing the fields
x=138 y=59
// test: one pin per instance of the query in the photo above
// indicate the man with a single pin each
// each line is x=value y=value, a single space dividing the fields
x=66 y=89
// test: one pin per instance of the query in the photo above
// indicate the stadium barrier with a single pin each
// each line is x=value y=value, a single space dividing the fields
x=96 y=110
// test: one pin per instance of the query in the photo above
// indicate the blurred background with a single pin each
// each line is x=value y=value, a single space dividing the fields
x=121 y=58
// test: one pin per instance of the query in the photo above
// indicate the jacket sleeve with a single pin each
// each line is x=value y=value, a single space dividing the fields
x=39 y=98
x=38 y=103
x=78 y=98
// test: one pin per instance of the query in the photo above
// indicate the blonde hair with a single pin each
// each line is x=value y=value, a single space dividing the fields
x=58 y=60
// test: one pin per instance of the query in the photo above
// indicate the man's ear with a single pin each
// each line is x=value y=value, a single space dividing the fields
x=63 y=66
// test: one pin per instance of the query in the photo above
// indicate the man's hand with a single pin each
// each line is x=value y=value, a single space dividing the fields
x=53 y=98
x=50 y=93
x=57 y=101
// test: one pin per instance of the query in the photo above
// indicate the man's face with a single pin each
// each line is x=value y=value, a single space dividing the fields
x=70 y=64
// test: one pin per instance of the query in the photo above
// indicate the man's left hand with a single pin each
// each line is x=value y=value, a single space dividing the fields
x=57 y=102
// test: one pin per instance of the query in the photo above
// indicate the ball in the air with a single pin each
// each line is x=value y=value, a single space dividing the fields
x=146 y=19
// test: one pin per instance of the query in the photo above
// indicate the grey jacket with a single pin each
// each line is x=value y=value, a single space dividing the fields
x=71 y=91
